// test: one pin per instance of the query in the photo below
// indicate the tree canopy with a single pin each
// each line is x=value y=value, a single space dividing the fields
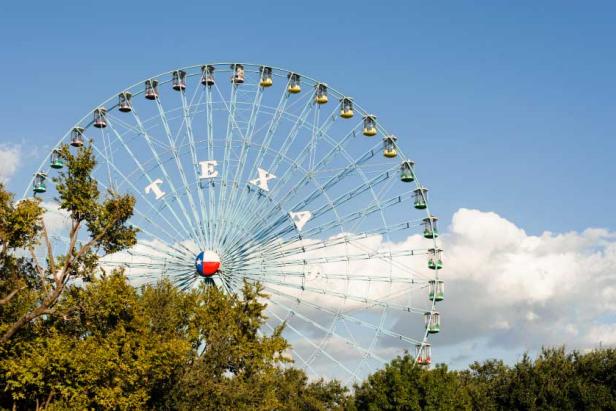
x=73 y=336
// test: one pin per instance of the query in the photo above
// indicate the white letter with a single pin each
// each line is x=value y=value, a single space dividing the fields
x=264 y=177
x=208 y=169
x=154 y=187
x=300 y=218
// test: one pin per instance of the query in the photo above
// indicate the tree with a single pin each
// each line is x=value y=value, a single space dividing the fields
x=22 y=228
x=404 y=385
x=233 y=367
x=108 y=353
x=485 y=383
x=157 y=348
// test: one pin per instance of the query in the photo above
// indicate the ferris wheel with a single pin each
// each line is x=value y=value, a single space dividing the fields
x=250 y=172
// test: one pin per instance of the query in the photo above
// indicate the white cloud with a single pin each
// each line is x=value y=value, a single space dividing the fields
x=57 y=221
x=507 y=291
x=523 y=291
x=10 y=156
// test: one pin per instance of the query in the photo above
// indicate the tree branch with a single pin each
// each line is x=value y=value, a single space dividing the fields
x=12 y=294
x=50 y=300
x=39 y=268
x=52 y=263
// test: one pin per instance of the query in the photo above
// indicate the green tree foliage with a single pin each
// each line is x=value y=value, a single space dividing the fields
x=404 y=385
x=117 y=347
x=103 y=352
x=31 y=288
x=555 y=380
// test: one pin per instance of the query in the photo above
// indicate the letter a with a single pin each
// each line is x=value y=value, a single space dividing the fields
x=154 y=187
x=264 y=177
x=300 y=218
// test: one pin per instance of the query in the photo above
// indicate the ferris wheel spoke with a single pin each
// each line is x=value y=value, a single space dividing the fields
x=305 y=338
x=109 y=155
x=293 y=351
x=225 y=189
x=166 y=265
x=381 y=205
x=330 y=331
x=156 y=253
x=271 y=128
x=134 y=129
x=347 y=317
x=262 y=149
x=339 y=295
x=195 y=164
x=157 y=256
x=281 y=259
x=317 y=193
x=317 y=132
x=306 y=174
x=314 y=345
x=356 y=217
x=299 y=244
x=168 y=179
x=300 y=120
x=185 y=281
x=154 y=224
x=245 y=215
x=234 y=203
x=136 y=190
x=267 y=271
x=292 y=135
x=272 y=230
x=209 y=110
x=364 y=178
x=174 y=250
x=198 y=236
x=354 y=241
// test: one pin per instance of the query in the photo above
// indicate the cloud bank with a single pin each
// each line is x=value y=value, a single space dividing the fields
x=517 y=291
x=10 y=156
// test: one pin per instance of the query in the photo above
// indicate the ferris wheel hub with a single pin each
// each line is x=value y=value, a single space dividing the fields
x=207 y=263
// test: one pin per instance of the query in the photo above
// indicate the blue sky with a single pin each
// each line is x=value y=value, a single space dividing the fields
x=516 y=99
x=512 y=102
x=508 y=107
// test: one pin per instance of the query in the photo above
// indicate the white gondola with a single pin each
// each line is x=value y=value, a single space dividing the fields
x=124 y=104
x=151 y=89
x=238 y=73
x=56 y=160
x=100 y=117
x=435 y=261
x=294 y=83
x=178 y=80
x=266 y=76
x=406 y=171
x=436 y=290
x=370 y=125
x=39 y=185
x=346 y=107
x=420 y=198
x=423 y=353
x=207 y=75
x=77 y=137
x=321 y=93
x=389 y=146
x=430 y=230
x=433 y=322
